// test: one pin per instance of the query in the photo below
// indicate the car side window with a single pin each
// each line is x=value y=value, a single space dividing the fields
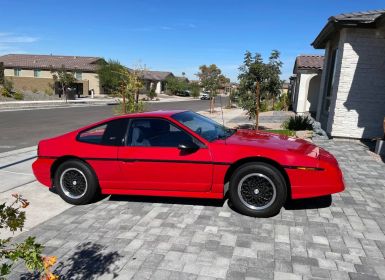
x=108 y=134
x=157 y=133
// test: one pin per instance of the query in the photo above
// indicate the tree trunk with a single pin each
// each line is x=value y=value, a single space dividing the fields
x=63 y=89
x=137 y=97
x=257 y=97
x=212 y=100
x=123 y=93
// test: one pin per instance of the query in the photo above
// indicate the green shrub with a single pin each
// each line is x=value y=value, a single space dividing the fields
x=195 y=89
x=18 y=95
x=298 y=123
x=151 y=94
x=264 y=106
x=35 y=90
x=48 y=91
x=7 y=88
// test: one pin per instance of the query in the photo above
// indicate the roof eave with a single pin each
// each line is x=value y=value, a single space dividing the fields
x=335 y=25
x=324 y=35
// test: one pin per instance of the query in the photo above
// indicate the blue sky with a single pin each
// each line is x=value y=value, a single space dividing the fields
x=175 y=36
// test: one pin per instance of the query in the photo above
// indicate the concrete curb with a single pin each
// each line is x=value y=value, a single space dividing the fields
x=18 y=151
x=20 y=105
x=50 y=104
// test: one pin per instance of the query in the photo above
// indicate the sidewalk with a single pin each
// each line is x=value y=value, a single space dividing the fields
x=16 y=105
x=16 y=177
x=237 y=116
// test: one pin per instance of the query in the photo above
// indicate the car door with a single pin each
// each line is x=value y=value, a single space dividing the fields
x=161 y=156
x=98 y=146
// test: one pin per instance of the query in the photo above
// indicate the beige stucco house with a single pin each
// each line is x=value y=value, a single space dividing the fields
x=156 y=79
x=305 y=83
x=352 y=92
x=33 y=72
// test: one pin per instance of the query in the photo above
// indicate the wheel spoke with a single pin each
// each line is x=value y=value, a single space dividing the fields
x=73 y=183
x=257 y=191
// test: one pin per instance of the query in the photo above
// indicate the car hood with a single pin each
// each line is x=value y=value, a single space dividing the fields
x=272 y=141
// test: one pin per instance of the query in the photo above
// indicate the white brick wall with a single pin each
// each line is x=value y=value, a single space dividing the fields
x=358 y=99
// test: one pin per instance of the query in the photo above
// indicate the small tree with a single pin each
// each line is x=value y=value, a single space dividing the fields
x=212 y=80
x=175 y=85
x=151 y=94
x=195 y=89
x=12 y=218
x=64 y=78
x=109 y=80
x=1 y=73
x=258 y=79
x=124 y=83
x=7 y=88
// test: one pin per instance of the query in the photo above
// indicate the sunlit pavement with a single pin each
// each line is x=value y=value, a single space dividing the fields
x=153 y=238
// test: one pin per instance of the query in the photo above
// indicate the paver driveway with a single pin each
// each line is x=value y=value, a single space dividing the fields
x=182 y=239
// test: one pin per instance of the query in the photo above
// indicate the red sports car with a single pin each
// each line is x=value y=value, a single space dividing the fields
x=184 y=154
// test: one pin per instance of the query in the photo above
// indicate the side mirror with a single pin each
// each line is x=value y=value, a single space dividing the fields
x=188 y=147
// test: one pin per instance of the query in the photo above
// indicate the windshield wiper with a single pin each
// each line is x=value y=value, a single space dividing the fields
x=228 y=133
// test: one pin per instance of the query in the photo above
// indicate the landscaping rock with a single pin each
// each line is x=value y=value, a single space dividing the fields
x=304 y=134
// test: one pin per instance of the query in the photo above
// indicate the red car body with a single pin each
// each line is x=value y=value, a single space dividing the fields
x=309 y=171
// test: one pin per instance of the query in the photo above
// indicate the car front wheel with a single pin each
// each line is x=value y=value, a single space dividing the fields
x=257 y=190
x=75 y=182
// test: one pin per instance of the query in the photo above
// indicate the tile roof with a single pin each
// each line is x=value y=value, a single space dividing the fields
x=156 y=75
x=367 y=19
x=30 y=61
x=310 y=62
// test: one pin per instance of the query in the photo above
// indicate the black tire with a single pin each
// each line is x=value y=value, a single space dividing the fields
x=85 y=186
x=257 y=190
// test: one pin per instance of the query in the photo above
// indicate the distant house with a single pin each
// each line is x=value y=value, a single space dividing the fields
x=305 y=83
x=285 y=88
x=156 y=79
x=182 y=78
x=33 y=72
x=352 y=93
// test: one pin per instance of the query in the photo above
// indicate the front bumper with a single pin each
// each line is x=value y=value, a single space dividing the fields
x=312 y=183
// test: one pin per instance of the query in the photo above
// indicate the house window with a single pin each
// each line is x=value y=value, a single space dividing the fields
x=78 y=75
x=330 y=80
x=16 y=72
x=36 y=73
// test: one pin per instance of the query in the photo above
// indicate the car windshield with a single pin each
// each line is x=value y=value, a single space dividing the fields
x=205 y=127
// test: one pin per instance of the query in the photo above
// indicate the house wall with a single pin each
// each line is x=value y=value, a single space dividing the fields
x=27 y=81
x=93 y=82
x=306 y=91
x=358 y=100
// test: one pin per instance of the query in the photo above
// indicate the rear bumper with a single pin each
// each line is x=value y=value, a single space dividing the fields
x=42 y=170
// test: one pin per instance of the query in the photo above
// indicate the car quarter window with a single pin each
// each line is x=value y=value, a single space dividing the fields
x=156 y=132
x=108 y=134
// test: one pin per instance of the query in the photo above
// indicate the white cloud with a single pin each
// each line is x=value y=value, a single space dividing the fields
x=13 y=43
x=12 y=38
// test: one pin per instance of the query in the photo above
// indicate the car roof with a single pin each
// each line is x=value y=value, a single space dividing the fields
x=159 y=113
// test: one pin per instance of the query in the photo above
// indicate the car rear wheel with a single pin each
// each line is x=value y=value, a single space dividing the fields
x=257 y=190
x=76 y=182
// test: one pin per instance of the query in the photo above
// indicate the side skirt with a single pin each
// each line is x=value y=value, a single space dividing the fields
x=164 y=193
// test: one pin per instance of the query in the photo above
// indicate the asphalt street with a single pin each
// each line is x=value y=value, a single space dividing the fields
x=24 y=128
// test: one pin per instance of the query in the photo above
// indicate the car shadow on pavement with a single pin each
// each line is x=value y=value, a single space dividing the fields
x=89 y=261
x=169 y=200
x=309 y=203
